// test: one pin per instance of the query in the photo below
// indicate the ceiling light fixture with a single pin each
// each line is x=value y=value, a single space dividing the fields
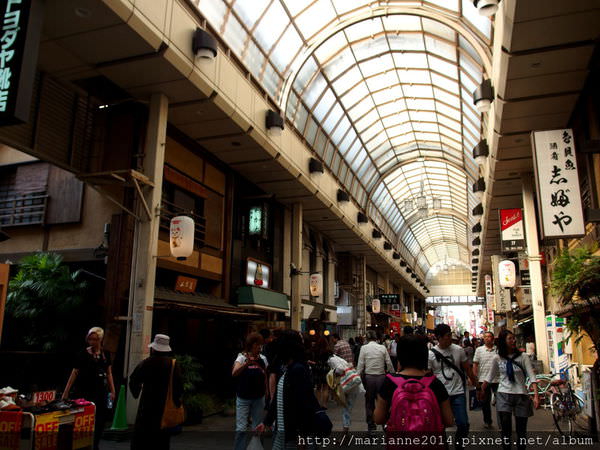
x=361 y=218
x=421 y=203
x=274 y=123
x=486 y=8
x=478 y=210
x=315 y=166
x=483 y=96
x=479 y=188
x=481 y=151
x=204 y=45
x=476 y=228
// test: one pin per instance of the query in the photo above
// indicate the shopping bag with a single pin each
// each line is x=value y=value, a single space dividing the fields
x=254 y=444
x=350 y=379
x=172 y=415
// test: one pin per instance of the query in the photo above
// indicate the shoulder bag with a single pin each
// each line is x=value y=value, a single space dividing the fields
x=172 y=415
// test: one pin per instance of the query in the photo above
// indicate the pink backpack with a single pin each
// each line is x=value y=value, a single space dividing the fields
x=414 y=407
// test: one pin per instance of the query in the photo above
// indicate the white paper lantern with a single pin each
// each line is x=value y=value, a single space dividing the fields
x=376 y=305
x=507 y=273
x=182 y=236
x=316 y=284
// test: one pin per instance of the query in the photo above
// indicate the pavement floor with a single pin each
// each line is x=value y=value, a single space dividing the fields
x=216 y=432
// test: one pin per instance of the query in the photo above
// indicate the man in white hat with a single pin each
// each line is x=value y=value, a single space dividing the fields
x=151 y=377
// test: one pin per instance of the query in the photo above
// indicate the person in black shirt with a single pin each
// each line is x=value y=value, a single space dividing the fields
x=151 y=378
x=92 y=376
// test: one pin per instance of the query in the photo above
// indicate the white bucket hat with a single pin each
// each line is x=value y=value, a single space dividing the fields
x=161 y=343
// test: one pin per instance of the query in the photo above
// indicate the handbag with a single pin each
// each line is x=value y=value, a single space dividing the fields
x=350 y=379
x=172 y=415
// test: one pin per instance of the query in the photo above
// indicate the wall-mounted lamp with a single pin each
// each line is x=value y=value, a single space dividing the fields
x=475 y=252
x=362 y=218
x=395 y=255
x=315 y=166
x=412 y=275
x=342 y=196
x=387 y=246
x=408 y=270
x=479 y=188
x=481 y=151
x=483 y=96
x=486 y=7
x=204 y=45
x=376 y=234
x=478 y=210
x=274 y=123
x=475 y=261
x=402 y=263
x=476 y=228
x=476 y=242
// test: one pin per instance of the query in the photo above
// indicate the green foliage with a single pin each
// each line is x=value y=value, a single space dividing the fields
x=191 y=373
x=577 y=271
x=576 y=281
x=47 y=298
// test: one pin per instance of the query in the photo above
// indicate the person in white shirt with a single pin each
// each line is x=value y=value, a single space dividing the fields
x=482 y=365
x=373 y=361
x=512 y=367
x=449 y=364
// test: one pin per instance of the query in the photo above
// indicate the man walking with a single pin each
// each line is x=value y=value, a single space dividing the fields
x=449 y=364
x=482 y=365
x=374 y=361
x=341 y=347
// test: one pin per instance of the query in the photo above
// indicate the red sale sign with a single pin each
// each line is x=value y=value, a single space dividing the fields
x=11 y=423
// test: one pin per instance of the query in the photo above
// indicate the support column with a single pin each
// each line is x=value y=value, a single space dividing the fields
x=143 y=272
x=287 y=251
x=535 y=271
x=296 y=305
x=330 y=280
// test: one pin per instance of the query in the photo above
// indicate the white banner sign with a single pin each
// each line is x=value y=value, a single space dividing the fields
x=559 y=198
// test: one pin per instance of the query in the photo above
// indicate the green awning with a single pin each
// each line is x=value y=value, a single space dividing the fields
x=258 y=298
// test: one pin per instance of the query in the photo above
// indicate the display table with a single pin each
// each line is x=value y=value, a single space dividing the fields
x=69 y=429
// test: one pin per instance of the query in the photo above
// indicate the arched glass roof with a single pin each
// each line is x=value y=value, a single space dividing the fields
x=381 y=90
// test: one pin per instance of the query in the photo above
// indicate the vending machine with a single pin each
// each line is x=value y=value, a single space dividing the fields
x=557 y=345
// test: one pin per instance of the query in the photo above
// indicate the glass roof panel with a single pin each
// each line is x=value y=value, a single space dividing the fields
x=374 y=93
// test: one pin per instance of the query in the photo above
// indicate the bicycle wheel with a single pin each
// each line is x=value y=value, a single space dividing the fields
x=560 y=414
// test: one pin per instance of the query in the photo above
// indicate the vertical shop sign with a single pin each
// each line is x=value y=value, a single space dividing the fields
x=558 y=194
x=512 y=233
x=21 y=25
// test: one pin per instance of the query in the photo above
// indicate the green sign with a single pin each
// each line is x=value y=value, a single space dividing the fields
x=255 y=221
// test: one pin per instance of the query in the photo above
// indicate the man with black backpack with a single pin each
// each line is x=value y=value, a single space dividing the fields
x=450 y=365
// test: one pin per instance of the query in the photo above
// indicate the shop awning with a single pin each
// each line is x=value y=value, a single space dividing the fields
x=262 y=299
x=165 y=298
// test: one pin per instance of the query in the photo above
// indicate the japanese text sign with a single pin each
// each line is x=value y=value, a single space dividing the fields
x=559 y=198
x=20 y=30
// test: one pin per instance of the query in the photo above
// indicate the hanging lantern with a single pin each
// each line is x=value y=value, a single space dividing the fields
x=182 y=236
x=507 y=273
x=376 y=305
x=316 y=284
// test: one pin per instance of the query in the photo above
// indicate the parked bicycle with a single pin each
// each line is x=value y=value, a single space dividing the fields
x=558 y=396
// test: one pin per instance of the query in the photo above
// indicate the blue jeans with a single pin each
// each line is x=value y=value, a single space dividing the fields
x=347 y=410
x=244 y=409
x=459 y=409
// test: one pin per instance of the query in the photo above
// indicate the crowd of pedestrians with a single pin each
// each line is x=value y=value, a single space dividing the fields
x=412 y=382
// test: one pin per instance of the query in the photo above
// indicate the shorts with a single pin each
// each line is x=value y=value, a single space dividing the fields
x=518 y=404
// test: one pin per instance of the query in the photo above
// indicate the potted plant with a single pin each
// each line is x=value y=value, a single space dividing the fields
x=191 y=374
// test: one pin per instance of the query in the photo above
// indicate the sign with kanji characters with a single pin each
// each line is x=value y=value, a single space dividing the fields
x=501 y=295
x=558 y=194
x=389 y=299
x=185 y=284
x=20 y=31
x=512 y=233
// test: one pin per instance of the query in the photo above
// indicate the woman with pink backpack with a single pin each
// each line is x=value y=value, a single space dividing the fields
x=412 y=405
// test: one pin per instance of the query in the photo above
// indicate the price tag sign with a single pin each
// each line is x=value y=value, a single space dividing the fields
x=44 y=397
